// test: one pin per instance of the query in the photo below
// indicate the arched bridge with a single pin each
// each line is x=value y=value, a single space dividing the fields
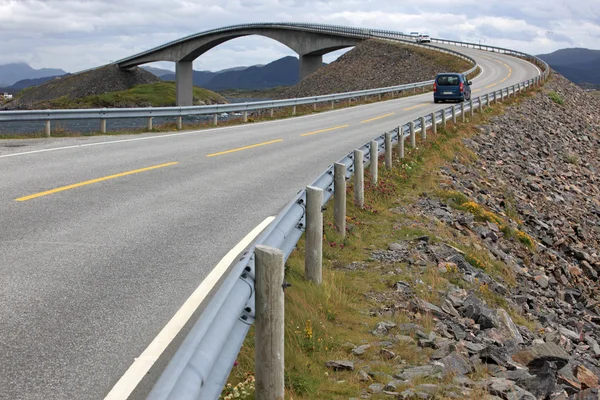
x=309 y=41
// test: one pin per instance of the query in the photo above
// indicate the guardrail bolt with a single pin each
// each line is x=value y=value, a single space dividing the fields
x=339 y=197
x=359 y=179
x=313 y=260
x=269 y=330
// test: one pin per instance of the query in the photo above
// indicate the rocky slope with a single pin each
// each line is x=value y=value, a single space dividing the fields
x=95 y=82
x=373 y=64
x=516 y=314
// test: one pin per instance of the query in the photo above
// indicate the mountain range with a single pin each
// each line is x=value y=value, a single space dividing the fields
x=15 y=72
x=579 y=65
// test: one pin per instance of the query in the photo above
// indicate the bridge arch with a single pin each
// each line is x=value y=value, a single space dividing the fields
x=309 y=43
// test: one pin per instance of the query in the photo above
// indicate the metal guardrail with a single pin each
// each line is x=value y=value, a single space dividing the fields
x=202 y=364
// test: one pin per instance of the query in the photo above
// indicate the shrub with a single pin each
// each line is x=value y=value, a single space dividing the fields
x=556 y=98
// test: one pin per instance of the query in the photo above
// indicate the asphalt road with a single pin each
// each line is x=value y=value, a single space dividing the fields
x=90 y=274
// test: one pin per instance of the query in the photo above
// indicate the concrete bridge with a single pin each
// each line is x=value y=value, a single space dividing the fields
x=309 y=41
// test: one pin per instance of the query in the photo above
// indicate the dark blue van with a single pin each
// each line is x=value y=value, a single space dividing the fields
x=451 y=86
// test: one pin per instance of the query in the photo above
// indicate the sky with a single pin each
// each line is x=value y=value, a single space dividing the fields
x=80 y=34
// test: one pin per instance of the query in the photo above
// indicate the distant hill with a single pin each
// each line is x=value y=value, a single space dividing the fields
x=159 y=72
x=579 y=65
x=25 y=83
x=15 y=72
x=282 y=72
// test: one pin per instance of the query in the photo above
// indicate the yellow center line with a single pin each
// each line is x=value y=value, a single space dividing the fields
x=244 y=148
x=492 y=85
x=325 y=130
x=376 y=118
x=105 y=178
x=417 y=106
x=476 y=90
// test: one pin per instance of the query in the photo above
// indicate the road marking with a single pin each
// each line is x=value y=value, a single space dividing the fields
x=325 y=130
x=376 y=118
x=105 y=178
x=417 y=106
x=492 y=85
x=476 y=90
x=142 y=364
x=244 y=148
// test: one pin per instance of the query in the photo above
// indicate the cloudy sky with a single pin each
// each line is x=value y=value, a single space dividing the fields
x=79 y=34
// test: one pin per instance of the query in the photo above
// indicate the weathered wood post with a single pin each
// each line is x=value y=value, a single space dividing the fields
x=313 y=261
x=269 y=330
x=359 y=179
x=339 y=197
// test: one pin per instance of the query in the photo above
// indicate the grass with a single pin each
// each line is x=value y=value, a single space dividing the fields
x=358 y=291
x=557 y=98
x=161 y=94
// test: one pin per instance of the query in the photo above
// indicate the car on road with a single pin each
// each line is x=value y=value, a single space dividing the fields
x=451 y=86
x=423 y=39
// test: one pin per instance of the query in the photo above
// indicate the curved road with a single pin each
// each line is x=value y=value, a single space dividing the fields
x=90 y=274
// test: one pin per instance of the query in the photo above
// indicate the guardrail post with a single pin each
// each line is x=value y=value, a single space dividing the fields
x=502 y=95
x=480 y=104
x=313 y=260
x=433 y=123
x=453 y=114
x=215 y=119
x=471 y=109
x=374 y=157
x=47 y=129
x=332 y=104
x=103 y=126
x=269 y=330
x=413 y=136
x=487 y=100
x=463 y=117
x=379 y=96
x=359 y=179
x=388 y=150
x=245 y=116
x=423 y=129
x=149 y=125
x=271 y=112
x=179 y=123
x=444 y=117
x=339 y=197
x=400 y=143
x=315 y=106
x=294 y=110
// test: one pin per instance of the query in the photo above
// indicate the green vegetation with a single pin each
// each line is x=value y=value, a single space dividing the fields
x=324 y=322
x=556 y=98
x=271 y=93
x=160 y=94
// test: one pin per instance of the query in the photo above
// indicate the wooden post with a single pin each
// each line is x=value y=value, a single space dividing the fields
x=388 y=150
x=374 y=156
x=269 y=330
x=339 y=197
x=313 y=260
x=359 y=179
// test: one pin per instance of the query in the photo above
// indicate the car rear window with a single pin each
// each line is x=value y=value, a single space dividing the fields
x=448 y=80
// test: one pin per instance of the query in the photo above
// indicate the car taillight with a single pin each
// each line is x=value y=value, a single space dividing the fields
x=434 y=86
x=462 y=87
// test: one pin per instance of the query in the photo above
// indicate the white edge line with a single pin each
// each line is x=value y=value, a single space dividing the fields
x=142 y=364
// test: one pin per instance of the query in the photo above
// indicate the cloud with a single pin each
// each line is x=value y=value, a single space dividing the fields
x=79 y=34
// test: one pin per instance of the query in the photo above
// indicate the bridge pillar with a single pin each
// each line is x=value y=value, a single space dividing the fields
x=309 y=64
x=184 y=85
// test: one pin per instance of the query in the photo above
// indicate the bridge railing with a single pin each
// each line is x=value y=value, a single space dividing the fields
x=202 y=364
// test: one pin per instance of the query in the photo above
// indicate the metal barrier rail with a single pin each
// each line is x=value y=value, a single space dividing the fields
x=201 y=365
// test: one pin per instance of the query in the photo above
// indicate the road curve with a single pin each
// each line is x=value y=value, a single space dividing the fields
x=110 y=235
